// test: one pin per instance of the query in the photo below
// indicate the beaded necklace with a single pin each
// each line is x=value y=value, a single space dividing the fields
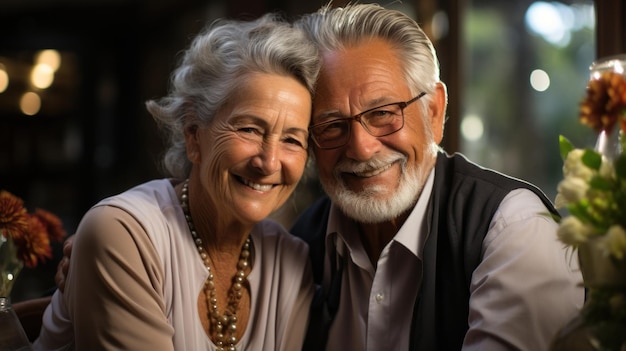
x=222 y=327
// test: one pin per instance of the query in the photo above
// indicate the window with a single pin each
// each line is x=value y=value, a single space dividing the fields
x=525 y=67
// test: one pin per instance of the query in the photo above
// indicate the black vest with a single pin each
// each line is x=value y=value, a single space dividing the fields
x=464 y=199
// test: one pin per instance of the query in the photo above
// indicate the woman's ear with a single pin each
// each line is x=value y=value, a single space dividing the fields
x=437 y=111
x=191 y=143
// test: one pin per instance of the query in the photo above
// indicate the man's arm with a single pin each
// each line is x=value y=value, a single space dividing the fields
x=527 y=285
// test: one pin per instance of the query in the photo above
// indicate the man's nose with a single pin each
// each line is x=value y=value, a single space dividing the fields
x=362 y=145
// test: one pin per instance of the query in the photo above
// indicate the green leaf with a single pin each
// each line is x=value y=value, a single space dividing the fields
x=565 y=146
x=620 y=166
x=555 y=217
x=592 y=159
x=600 y=183
x=579 y=210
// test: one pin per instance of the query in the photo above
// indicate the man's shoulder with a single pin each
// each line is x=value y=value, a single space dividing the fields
x=457 y=168
x=457 y=176
x=311 y=227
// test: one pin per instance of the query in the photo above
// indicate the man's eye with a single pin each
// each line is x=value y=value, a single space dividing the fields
x=334 y=126
x=382 y=117
x=380 y=114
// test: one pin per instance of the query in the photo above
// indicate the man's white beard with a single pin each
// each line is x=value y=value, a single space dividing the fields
x=378 y=203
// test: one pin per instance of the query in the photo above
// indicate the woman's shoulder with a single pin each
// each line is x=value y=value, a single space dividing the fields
x=273 y=234
x=156 y=193
x=104 y=230
x=276 y=249
x=146 y=202
x=146 y=209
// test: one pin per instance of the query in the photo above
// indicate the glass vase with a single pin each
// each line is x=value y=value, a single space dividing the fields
x=12 y=335
x=609 y=143
x=601 y=324
x=10 y=266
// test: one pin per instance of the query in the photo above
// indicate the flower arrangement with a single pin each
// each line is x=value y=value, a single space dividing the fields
x=594 y=186
x=593 y=191
x=24 y=238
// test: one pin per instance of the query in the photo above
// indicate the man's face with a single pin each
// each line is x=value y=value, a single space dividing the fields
x=373 y=179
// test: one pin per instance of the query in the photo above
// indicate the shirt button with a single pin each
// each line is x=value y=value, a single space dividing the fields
x=379 y=297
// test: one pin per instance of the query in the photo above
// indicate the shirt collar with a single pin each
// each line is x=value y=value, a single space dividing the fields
x=412 y=234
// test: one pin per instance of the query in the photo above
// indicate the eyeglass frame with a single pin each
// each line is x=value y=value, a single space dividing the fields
x=357 y=117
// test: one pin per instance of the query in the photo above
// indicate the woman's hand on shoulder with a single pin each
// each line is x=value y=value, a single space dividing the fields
x=64 y=264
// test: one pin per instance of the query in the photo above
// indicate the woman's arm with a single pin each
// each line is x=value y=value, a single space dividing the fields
x=114 y=287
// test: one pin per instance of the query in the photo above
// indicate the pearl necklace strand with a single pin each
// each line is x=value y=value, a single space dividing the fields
x=223 y=327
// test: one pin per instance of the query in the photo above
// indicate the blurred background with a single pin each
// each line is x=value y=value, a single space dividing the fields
x=74 y=76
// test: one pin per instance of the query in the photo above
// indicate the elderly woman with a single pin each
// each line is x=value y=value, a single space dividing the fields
x=191 y=262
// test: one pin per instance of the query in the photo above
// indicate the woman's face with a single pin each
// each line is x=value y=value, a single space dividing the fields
x=252 y=155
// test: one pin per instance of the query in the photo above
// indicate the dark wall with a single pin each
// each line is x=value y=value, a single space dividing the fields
x=92 y=137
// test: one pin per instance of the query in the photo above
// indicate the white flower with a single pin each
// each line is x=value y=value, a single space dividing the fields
x=571 y=189
x=614 y=242
x=574 y=166
x=573 y=232
x=560 y=202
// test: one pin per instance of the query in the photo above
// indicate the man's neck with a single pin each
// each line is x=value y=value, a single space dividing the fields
x=376 y=236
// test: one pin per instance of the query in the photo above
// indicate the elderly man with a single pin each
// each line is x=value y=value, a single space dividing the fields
x=416 y=249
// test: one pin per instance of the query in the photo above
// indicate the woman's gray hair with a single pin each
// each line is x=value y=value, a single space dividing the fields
x=334 y=29
x=219 y=60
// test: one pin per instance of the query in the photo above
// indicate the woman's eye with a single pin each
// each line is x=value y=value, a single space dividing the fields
x=294 y=141
x=250 y=130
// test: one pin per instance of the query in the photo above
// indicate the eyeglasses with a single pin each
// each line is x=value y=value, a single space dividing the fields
x=378 y=121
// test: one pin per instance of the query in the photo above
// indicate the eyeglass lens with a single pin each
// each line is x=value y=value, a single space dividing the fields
x=378 y=122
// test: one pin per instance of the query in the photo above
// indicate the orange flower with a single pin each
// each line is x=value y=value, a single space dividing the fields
x=35 y=246
x=13 y=216
x=53 y=224
x=31 y=233
x=605 y=103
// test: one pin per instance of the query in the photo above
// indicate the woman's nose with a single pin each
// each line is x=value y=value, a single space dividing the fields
x=267 y=159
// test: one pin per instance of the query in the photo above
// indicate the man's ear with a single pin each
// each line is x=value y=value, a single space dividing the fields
x=437 y=110
x=191 y=143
